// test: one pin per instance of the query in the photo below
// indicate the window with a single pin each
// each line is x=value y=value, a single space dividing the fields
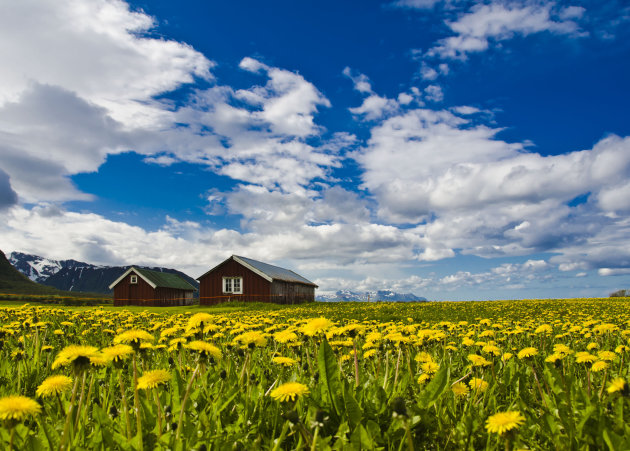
x=233 y=285
x=134 y=279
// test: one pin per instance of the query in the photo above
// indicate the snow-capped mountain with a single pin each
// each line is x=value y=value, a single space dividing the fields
x=39 y=269
x=369 y=296
x=72 y=275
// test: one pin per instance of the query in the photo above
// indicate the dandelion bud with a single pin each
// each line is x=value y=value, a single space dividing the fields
x=292 y=416
x=399 y=407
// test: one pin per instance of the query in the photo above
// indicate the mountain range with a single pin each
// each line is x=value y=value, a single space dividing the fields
x=369 y=296
x=72 y=275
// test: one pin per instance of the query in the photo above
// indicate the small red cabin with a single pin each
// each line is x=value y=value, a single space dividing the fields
x=246 y=280
x=151 y=288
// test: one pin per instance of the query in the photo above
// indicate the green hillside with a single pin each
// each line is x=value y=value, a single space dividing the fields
x=14 y=282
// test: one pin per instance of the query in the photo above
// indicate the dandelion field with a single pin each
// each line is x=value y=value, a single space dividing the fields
x=549 y=374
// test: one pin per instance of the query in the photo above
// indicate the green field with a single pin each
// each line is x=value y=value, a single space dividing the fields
x=530 y=374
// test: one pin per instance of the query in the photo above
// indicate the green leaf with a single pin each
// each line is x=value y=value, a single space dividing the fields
x=329 y=376
x=353 y=409
x=177 y=385
x=361 y=439
x=435 y=387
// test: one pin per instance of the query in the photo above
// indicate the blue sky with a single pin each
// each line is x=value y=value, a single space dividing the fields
x=457 y=150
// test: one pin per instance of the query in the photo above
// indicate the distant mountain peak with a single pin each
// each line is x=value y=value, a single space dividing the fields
x=73 y=275
x=369 y=296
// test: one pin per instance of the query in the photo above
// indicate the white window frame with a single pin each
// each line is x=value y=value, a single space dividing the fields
x=228 y=285
x=133 y=279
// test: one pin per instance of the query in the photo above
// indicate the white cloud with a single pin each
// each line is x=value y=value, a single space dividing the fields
x=499 y=21
x=434 y=93
x=361 y=81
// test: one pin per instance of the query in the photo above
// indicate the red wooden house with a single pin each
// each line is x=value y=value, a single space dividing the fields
x=151 y=288
x=246 y=280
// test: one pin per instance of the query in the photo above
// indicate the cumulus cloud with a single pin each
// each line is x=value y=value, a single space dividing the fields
x=484 y=23
x=94 y=92
x=469 y=192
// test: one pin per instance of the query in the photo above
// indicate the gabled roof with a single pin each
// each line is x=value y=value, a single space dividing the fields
x=266 y=271
x=157 y=279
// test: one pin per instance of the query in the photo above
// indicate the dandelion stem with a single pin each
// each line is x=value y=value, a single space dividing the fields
x=183 y=408
x=78 y=412
x=66 y=426
x=136 y=401
x=124 y=403
x=356 y=364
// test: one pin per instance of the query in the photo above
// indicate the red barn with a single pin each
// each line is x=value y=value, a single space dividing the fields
x=151 y=288
x=246 y=280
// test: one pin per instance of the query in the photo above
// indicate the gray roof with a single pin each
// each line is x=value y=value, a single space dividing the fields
x=276 y=272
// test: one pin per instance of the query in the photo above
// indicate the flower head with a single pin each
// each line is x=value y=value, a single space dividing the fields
x=460 y=389
x=117 y=353
x=54 y=385
x=76 y=355
x=252 y=338
x=205 y=349
x=151 y=379
x=504 y=421
x=527 y=353
x=133 y=337
x=198 y=320
x=17 y=408
x=285 y=361
x=289 y=391
x=617 y=385
x=478 y=385
x=316 y=326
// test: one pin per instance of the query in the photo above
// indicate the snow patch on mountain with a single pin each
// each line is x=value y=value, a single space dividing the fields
x=368 y=296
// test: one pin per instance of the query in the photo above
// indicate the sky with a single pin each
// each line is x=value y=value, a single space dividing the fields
x=452 y=149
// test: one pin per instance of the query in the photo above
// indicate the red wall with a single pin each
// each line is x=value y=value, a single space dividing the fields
x=141 y=293
x=255 y=288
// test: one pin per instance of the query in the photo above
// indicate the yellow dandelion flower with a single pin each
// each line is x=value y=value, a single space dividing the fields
x=76 y=355
x=424 y=377
x=422 y=357
x=205 y=349
x=54 y=385
x=252 y=338
x=478 y=385
x=460 y=389
x=560 y=348
x=285 y=336
x=544 y=329
x=527 y=353
x=17 y=408
x=133 y=337
x=585 y=357
x=478 y=360
x=153 y=378
x=616 y=385
x=592 y=346
x=117 y=353
x=600 y=365
x=608 y=356
x=197 y=319
x=369 y=353
x=430 y=367
x=289 y=391
x=284 y=361
x=502 y=422
x=316 y=326
x=507 y=356
x=555 y=357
